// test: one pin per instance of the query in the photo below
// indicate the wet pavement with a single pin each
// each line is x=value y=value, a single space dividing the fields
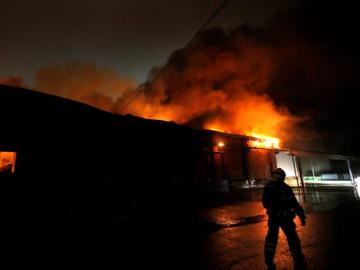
x=226 y=234
x=328 y=239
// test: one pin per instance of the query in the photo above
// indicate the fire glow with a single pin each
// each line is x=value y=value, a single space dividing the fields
x=250 y=114
x=221 y=144
x=222 y=86
x=263 y=141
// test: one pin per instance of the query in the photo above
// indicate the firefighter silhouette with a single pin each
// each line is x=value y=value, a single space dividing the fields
x=282 y=207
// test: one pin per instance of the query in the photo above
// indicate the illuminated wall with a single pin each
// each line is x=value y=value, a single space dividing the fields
x=7 y=162
x=285 y=161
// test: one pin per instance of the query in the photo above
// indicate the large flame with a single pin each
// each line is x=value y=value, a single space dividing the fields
x=221 y=87
x=249 y=114
x=221 y=83
x=264 y=141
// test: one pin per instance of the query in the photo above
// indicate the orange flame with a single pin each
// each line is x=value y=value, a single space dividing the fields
x=221 y=88
x=249 y=114
x=263 y=141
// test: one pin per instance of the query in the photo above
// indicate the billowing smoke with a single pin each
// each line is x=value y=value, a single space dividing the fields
x=221 y=82
x=13 y=81
x=85 y=82
x=295 y=78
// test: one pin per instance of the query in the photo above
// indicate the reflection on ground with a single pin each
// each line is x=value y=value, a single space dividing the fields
x=238 y=244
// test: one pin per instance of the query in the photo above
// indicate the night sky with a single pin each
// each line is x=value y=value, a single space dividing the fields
x=130 y=36
x=313 y=47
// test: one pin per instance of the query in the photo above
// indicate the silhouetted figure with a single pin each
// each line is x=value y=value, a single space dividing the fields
x=282 y=207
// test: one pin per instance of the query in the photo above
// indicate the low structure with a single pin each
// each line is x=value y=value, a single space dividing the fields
x=67 y=155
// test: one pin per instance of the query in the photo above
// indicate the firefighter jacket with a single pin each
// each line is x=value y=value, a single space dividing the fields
x=280 y=201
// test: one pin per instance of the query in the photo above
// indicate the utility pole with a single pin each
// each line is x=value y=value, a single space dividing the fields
x=350 y=172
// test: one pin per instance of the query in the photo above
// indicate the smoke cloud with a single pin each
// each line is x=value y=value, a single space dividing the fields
x=13 y=81
x=85 y=82
x=296 y=78
x=222 y=83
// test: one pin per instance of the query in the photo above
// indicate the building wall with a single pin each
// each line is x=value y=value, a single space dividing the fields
x=234 y=160
x=261 y=163
x=231 y=158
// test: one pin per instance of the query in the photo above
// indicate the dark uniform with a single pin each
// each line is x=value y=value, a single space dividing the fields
x=282 y=207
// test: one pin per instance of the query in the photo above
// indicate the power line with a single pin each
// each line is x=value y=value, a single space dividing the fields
x=149 y=84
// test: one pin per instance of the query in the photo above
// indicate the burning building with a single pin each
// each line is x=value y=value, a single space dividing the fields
x=65 y=156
